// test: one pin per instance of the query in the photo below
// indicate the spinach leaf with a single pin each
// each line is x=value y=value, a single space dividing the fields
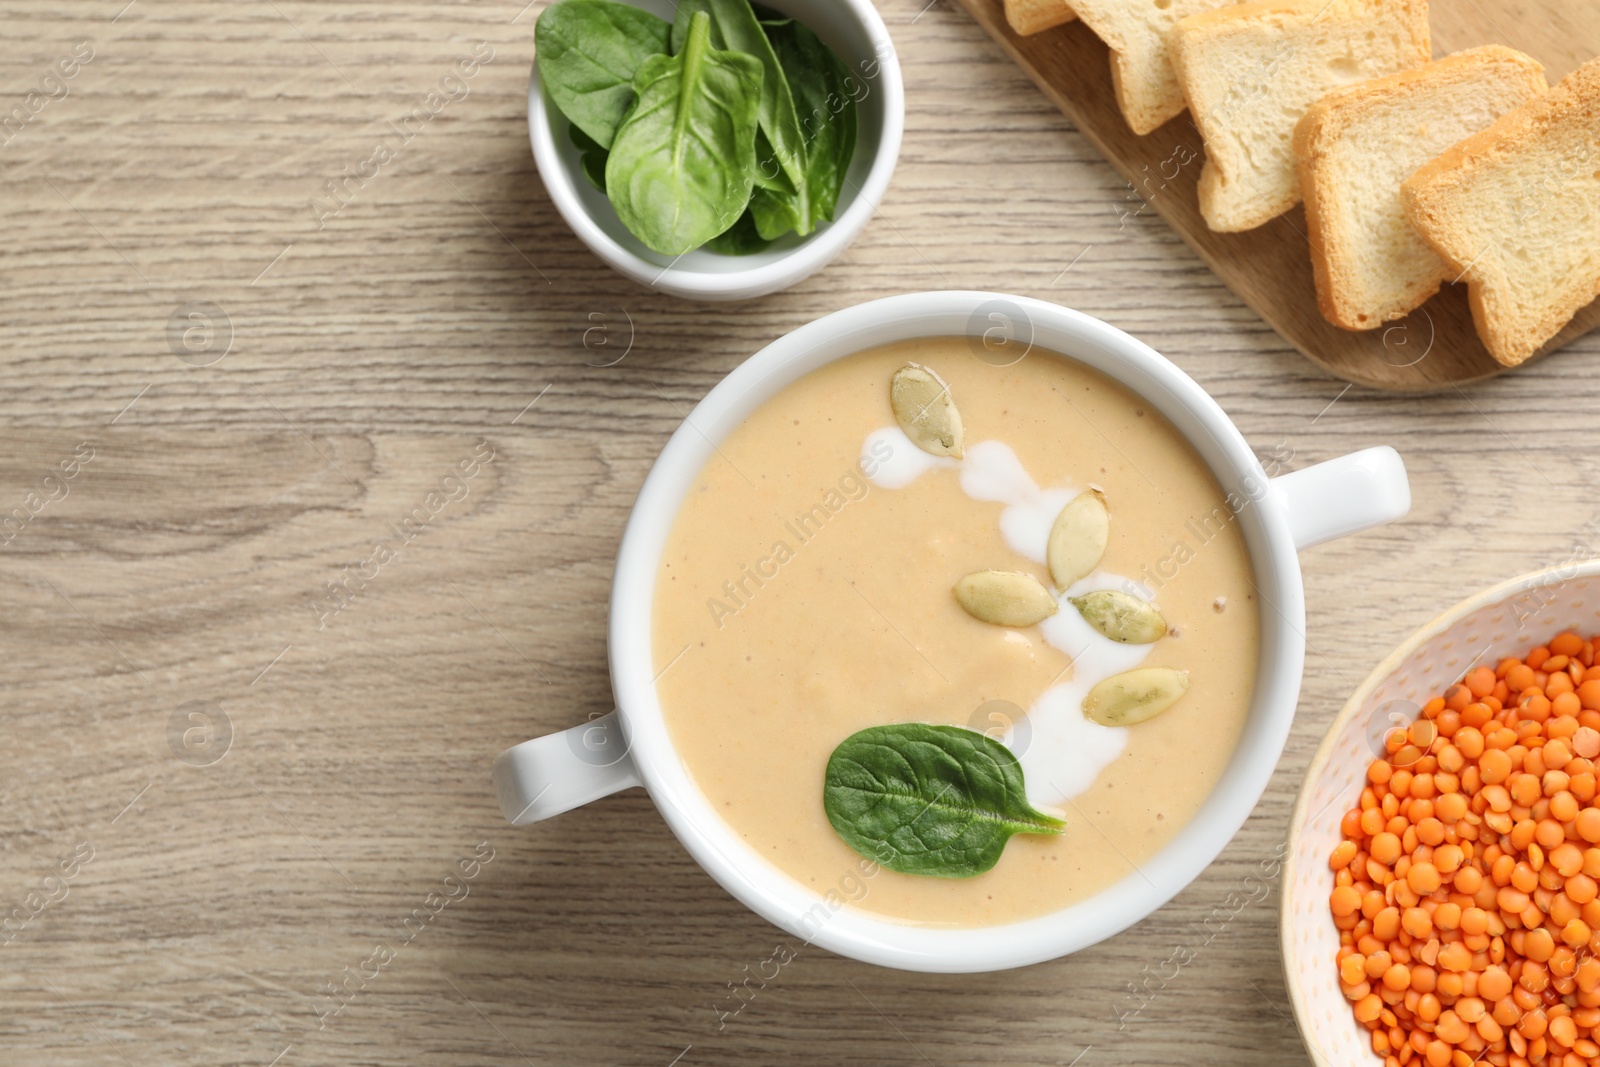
x=825 y=96
x=825 y=100
x=775 y=212
x=589 y=52
x=683 y=161
x=935 y=800
x=769 y=173
x=736 y=27
x=740 y=239
x=591 y=156
x=775 y=205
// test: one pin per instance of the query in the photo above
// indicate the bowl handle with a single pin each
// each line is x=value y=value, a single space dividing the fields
x=560 y=771
x=1344 y=495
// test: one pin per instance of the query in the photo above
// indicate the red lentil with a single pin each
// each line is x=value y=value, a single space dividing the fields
x=1467 y=878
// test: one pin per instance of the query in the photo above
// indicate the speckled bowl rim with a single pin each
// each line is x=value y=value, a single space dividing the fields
x=1296 y=975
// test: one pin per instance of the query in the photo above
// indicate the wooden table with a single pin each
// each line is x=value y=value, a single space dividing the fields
x=252 y=793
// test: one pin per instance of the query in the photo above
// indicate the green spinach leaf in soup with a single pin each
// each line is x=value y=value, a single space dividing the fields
x=591 y=156
x=933 y=800
x=684 y=160
x=589 y=52
x=735 y=26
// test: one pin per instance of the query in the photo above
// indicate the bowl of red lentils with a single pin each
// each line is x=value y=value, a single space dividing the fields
x=1441 y=902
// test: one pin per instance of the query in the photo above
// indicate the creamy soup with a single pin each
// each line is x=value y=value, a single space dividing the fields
x=806 y=593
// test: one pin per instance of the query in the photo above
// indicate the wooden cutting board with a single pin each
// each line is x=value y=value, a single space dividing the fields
x=1436 y=347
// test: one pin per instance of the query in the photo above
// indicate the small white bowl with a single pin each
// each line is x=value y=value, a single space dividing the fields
x=1507 y=620
x=858 y=37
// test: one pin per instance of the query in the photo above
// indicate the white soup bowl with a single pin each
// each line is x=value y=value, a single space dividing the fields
x=631 y=746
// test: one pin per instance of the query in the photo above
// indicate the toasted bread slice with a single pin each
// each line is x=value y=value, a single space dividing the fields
x=1356 y=145
x=1516 y=210
x=1141 y=62
x=1250 y=71
x=1035 y=16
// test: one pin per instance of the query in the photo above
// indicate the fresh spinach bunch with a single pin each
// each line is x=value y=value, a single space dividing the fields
x=726 y=128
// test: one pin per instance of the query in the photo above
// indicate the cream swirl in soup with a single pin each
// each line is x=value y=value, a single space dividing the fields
x=1061 y=752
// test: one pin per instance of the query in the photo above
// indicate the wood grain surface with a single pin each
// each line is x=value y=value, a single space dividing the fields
x=219 y=894
x=1269 y=268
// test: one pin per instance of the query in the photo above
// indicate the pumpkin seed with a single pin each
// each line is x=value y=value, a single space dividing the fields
x=1078 y=538
x=1005 y=598
x=1133 y=697
x=1121 y=617
x=923 y=408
